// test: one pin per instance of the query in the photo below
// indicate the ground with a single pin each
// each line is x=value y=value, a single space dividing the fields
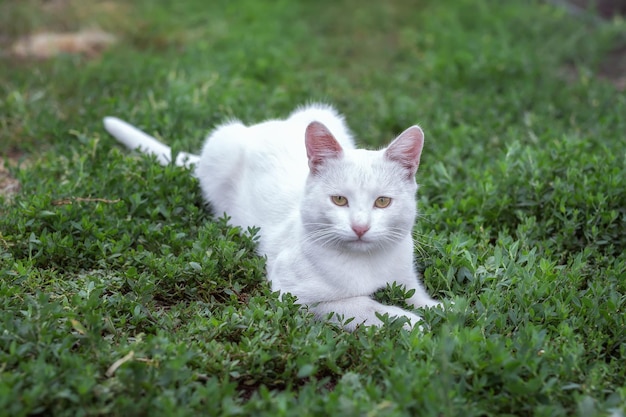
x=121 y=294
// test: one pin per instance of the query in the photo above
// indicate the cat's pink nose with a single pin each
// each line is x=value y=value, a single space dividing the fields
x=360 y=230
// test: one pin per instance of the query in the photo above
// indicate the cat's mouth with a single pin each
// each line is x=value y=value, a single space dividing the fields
x=360 y=243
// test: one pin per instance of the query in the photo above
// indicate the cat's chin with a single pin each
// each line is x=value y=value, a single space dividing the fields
x=360 y=245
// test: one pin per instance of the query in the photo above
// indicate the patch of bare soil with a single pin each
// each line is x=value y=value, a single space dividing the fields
x=613 y=68
x=65 y=27
x=9 y=186
x=53 y=6
x=43 y=45
x=605 y=8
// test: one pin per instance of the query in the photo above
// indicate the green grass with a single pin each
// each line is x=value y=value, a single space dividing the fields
x=104 y=255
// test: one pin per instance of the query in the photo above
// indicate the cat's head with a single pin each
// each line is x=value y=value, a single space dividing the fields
x=360 y=200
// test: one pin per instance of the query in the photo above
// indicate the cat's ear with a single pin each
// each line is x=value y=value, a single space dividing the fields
x=320 y=145
x=406 y=149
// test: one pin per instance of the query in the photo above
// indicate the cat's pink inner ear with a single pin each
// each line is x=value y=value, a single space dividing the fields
x=320 y=145
x=406 y=149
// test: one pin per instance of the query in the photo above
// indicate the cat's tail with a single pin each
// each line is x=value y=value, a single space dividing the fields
x=135 y=139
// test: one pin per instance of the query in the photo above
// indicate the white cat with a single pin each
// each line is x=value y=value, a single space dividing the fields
x=335 y=221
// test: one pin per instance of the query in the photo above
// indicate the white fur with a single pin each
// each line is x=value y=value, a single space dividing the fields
x=135 y=139
x=259 y=175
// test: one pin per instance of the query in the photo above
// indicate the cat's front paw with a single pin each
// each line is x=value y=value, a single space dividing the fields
x=415 y=321
x=441 y=304
x=394 y=313
x=426 y=303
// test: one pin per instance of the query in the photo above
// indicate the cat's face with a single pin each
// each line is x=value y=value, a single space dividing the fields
x=358 y=200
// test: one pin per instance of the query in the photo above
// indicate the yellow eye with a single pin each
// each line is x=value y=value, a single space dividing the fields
x=382 y=202
x=339 y=200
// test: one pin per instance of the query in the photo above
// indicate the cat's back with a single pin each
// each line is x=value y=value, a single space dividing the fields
x=256 y=174
x=326 y=115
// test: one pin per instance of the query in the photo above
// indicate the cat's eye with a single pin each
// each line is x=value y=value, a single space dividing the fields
x=382 y=202
x=339 y=200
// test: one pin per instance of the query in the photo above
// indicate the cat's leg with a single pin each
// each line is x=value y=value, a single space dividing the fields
x=363 y=309
x=420 y=297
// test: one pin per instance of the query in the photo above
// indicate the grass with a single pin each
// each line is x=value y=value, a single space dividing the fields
x=121 y=295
